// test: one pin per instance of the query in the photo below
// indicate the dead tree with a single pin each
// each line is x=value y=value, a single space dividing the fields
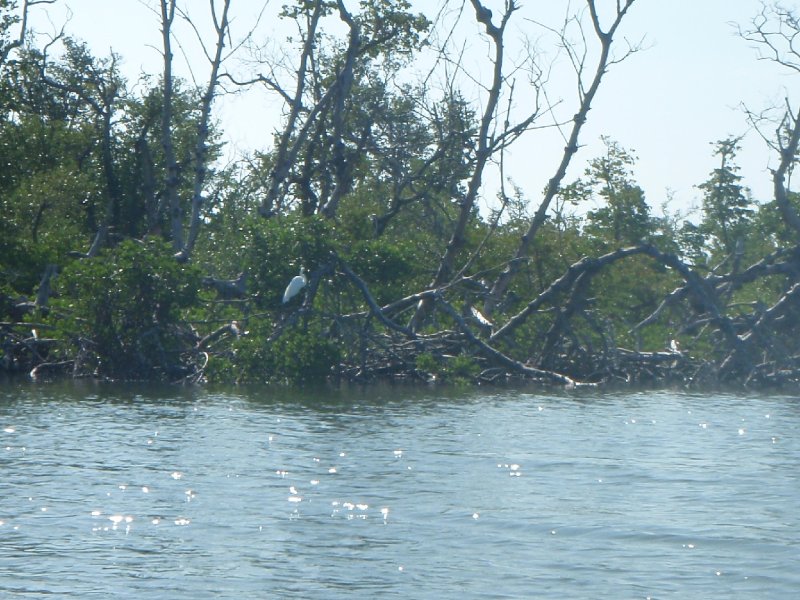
x=184 y=236
x=774 y=31
x=291 y=139
x=488 y=142
x=18 y=41
x=201 y=159
x=172 y=180
x=586 y=96
x=760 y=349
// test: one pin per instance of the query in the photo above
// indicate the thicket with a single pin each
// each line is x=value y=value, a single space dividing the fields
x=128 y=251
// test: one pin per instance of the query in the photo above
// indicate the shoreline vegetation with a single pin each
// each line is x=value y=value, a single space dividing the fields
x=129 y=252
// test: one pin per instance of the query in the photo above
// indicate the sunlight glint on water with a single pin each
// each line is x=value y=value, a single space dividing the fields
x=164 y=493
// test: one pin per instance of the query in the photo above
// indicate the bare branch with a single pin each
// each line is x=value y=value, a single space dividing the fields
x=502 y=359
x=606 y=38
x=285 y=154
x=375 y=310
x=203 y=129
x=23 y=29
x=483 y=150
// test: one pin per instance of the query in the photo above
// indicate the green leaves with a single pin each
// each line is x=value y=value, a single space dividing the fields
x=278 y=248
x=123 y=310
x=727 y=206
x=624 y=218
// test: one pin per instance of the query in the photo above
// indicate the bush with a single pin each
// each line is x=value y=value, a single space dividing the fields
x=302 y=354
x=123 y=311
x=456 y=369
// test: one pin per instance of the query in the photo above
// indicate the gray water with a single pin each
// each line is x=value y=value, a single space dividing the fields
x=119 y=492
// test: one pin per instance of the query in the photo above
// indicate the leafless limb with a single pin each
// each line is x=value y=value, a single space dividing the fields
x=776 y=33
x=201 y=166
x=502 y=359
x=605 y=38
x=172 y=179
x=741 y=356
x=23 y=28
x=375 y=310
x=287 y=149
x=483 y=150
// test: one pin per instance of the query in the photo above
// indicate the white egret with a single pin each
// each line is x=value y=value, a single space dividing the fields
x=480 y=318
x=297 y=283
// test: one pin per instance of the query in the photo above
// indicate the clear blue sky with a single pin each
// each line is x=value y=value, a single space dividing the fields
x=667 y=103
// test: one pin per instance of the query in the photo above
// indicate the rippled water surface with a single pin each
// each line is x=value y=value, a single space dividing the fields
x=124 y=492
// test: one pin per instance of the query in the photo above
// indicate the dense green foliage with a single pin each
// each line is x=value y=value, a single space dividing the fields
x=120 y=313
x=363 y=191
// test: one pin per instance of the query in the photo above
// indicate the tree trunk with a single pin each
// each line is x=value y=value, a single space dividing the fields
x=504 y=279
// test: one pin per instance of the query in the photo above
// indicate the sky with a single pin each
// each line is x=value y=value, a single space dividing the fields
x=667 y=103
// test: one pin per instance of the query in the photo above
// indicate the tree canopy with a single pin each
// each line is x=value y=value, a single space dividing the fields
x=130 y=250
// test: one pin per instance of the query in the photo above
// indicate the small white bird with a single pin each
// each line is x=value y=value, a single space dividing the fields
x=480 y=318
x=297 y=283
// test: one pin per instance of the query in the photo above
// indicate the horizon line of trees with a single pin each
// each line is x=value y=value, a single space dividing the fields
x=128 y=251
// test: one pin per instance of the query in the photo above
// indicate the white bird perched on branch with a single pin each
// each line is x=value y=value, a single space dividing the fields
x=297 y=283
x=480 y=318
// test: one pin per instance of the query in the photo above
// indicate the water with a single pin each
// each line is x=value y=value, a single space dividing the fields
x=167 y=493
